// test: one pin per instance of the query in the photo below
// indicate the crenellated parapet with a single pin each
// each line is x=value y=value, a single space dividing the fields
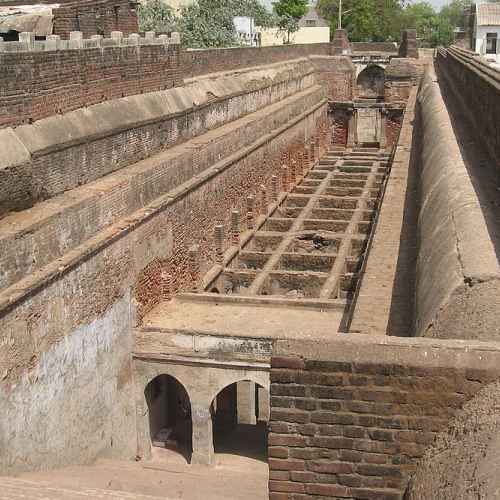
x=44 y=78
x=28 y=43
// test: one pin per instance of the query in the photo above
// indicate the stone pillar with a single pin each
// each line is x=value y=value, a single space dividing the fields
x=408 y=46
x=383 y=131
x=351 y=129
x=245 y=397
x=263 y=410
x=341 y=43
x=203 y=441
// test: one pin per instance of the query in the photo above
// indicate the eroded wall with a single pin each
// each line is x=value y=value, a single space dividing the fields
x=351 y=417
x=457 y=276
x=97 y=256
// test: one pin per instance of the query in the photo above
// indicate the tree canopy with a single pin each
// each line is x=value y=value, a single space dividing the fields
x=383 y=20
x=203 y=23
x=155 y=15
x=209 y=23
x=288 y=13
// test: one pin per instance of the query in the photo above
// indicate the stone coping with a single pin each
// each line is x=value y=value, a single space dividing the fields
x=28 y=43
x=414 y=351
x=10 y=296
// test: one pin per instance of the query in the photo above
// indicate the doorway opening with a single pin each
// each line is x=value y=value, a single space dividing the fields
x=170 y=423
x=240 y=414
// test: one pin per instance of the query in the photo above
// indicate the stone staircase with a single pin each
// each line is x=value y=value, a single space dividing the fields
x=21 y=489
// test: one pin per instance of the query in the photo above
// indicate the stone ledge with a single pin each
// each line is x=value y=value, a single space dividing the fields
x=414 y=352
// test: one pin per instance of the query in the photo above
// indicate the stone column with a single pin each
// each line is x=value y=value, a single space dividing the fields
x=340 y=44
x=383 y=131
x=245 y=396
x=203 y=442
x=351 y=129
x=264 y=411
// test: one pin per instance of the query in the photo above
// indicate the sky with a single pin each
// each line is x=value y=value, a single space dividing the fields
x=438 y=3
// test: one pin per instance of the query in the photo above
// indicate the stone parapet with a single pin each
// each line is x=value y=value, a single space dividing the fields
x=351 y=417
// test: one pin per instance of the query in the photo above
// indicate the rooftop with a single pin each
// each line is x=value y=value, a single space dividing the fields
x=488 y=14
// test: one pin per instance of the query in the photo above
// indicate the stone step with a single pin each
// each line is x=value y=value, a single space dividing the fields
x=21 y=489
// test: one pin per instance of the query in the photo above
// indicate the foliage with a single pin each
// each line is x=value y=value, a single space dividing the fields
x=155 y=15
x=288 y=13
x=365 y=20
x=209 y=23
x=383 y=20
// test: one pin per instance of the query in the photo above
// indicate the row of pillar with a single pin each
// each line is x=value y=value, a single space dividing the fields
x=293 y=170
x=295 y=163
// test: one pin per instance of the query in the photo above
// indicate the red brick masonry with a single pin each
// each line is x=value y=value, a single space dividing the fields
x=350 y=418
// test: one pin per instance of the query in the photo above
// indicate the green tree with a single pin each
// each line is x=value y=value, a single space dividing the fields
x=155 y=15
x=365 y=20
x=422 y=17
x=454 y=12
x=288 y=13
x=209 y=23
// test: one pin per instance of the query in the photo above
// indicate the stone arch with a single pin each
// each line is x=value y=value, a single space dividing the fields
x=169 y=414
x=260 y=378
x=370 y=82
x=238 y=421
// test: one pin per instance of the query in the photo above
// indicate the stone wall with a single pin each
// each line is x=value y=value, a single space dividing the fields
x=98 y=253
x=475 y=87
x=338 y=75
x=198 y=62
x=112 y=136
x=457 y=275
x=37 y=82
x=95 y=17
x=351 y=417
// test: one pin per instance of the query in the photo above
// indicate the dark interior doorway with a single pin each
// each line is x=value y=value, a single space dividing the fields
x=170 y=421
x=371 y=82
x=243 y=434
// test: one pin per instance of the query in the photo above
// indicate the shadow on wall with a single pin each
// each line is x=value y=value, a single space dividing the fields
x=370 y=82
x=240 y=413
x=170 y=423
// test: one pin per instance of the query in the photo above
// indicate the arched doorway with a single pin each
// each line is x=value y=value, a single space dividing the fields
x=370 y=82
x=169 y=409
x=240 y=414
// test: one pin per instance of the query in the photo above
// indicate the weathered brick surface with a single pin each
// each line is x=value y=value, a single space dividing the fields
x=474 y=89
x=99 y=142
x=38 y=84
x=95 y=17
x=340 y=123
x=368 y=418
x=89 y=209
x=211 y=204
x=203 y=61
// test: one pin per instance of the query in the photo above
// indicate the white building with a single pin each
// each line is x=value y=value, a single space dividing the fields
x=312 y=29
x=486 y=30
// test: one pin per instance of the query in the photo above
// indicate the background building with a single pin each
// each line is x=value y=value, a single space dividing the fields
x=312 y=29
x=486 y=30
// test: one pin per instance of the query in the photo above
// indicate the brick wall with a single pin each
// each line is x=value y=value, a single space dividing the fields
x=340 y=123
x=337 y=74
x=350 y=417
x=95 y=17
x=373 y=47
x=36 y=84
x=222 y=128
x=204 y=61
x=77 y=302
x=393 y=126
x=397 y=91
x=473 y=88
